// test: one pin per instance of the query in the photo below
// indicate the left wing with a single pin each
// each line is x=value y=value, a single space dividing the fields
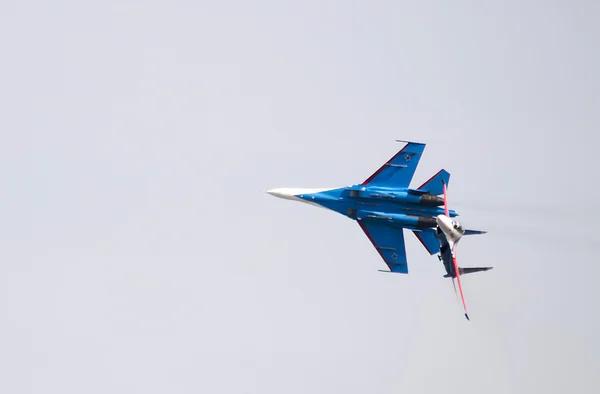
x=389 y=242
x=399 y=170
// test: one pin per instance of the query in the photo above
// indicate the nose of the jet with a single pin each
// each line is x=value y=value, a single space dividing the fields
x=288 y=194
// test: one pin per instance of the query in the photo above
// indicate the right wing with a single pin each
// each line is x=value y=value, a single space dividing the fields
x=389 y=242
x=399 y=170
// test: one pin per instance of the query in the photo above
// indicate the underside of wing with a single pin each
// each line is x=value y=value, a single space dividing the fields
x=389 y=242
x=399 y=170
x=428 y=240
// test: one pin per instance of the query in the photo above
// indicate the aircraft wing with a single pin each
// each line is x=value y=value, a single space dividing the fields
x=429 y=240
x=399 y=170
x=389 y=242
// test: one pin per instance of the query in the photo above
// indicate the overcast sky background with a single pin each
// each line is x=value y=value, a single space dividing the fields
x=140 y=252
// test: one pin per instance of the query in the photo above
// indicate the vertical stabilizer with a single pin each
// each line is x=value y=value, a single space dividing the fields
x=435 y=184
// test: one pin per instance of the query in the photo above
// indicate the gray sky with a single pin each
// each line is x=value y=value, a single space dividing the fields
x=139 y=250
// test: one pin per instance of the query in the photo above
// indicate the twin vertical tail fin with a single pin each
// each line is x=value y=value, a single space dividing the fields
x=435 y=184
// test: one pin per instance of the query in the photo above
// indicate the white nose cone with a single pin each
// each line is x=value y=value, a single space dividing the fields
x=294 y=193
x=286 y=193
x=307 y=196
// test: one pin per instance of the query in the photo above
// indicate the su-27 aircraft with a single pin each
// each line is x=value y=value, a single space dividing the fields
x=384 y=205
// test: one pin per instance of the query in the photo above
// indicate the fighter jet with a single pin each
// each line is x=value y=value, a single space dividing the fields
x=384 y=205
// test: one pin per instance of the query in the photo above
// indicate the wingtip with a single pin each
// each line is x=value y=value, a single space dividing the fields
x=411 y=142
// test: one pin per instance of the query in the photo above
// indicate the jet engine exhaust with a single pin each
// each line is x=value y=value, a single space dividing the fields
x=425 y=222
x=431 y=201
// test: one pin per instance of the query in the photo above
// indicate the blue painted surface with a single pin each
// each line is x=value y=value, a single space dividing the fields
x=429 y=240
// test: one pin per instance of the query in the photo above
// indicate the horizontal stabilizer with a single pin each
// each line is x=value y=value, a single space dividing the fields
x=435 y=184
x=469 y=270
x=428 y=240
x=474 y=232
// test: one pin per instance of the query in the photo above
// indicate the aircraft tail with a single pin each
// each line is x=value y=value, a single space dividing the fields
x=469 y=270
x=428 y=240
x=434 y=185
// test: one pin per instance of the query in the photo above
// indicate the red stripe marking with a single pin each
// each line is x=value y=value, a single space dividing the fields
x=421 y=239
x=445 y=201
x=364 y=228
x=369 y=179
x=429 y=180
x=457 y=272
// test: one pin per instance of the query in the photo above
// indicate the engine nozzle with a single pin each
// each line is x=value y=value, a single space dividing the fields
x=431 y=201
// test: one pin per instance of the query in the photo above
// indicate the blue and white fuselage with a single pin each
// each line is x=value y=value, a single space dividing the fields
x=401 y=207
